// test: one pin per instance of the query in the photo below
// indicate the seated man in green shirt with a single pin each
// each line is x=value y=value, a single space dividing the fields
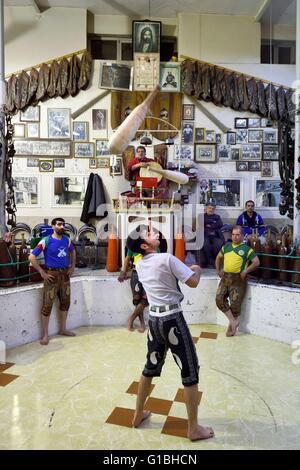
x=235 y=256
x=139 y=297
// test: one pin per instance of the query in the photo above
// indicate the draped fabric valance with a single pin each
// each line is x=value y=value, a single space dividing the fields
x=237 y=91
x=59 y=78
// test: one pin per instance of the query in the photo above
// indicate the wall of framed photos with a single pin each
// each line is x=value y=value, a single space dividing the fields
x=53 y=145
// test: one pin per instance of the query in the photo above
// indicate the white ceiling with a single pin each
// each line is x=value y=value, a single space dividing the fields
x=167 y=8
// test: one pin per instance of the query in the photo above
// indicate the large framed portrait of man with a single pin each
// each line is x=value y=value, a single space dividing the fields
x=146 y=36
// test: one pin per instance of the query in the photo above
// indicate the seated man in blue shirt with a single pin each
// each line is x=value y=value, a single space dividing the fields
x=60 y=261
x=251 y=220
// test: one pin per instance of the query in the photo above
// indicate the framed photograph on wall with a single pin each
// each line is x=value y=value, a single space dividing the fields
x=241 y=136
x=19 y=130
x=146 y=37
x=33 y=130
x=99 y=117
x=205 y=153
x=200 y=135
x=81 y=131
x=253 y=122
x=210 y=137
x=32 y=162
x=59 y=123
x=270 y=152
x=254 y=166
x=240 y=123
x=188 y=112
x=183 y=152
x=115 y=76
x=93 y=163
x=103 y=163
x=235 y=154
x=266 y=169
x=84 y=149
x=251 y=152
x=102 y=147
x=46 y=166
x=270 y=136
x=255 y=135
x=241 y=166
x=224 y=152
x=231 y=138
x=59 y=163
x=32 y=113
x=115 y=167
x=43 y=148
x=146 y=71
x=169 y=76
x=26 y=190
x=187 y=132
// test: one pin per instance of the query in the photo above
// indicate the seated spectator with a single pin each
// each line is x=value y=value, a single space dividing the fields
x=251 y=220
x=213 y=237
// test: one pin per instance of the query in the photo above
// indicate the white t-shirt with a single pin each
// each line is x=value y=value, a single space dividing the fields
x=158 y=272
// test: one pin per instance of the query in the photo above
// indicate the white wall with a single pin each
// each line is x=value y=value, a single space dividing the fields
x=216 y=38
x=31 y=39
x=122 y=25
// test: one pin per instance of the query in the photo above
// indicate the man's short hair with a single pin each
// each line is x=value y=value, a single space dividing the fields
x=249 y=201
x=57 y=219
x=211 y=203
x=141 y=147
x=238 y=227
x=134 y=240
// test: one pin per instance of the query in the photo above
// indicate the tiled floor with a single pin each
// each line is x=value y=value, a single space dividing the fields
x=79 y=393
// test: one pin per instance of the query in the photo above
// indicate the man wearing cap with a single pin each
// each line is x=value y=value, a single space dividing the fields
x=213 y=237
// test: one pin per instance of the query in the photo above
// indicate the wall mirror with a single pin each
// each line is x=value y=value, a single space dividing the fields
x=69 y=191
x=267 y=193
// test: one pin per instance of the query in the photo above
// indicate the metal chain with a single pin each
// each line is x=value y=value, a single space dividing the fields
x=286 y=166
x=10 y=204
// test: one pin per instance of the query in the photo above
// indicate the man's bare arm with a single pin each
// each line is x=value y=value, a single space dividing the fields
x=193 y=281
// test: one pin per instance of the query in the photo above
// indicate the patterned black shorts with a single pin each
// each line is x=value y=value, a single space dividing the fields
x=171 y=332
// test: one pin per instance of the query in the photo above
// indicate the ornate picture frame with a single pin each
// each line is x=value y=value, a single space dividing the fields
x=146 y=71
x=114 y=76
x=146 y=37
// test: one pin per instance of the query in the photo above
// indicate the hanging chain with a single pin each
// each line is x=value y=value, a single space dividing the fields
x=10 y=204
x=286 y=166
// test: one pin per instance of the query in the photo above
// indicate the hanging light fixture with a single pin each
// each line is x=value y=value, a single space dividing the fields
x=146 y=140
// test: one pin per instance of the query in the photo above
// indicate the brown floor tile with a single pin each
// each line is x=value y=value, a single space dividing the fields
x=180 y=396
x=5 y=379
x=5 y=366
x=175 y=427
x=121 y=417
x=133 y=389
x=195 y=339
x=206 y=334
x=158 y=406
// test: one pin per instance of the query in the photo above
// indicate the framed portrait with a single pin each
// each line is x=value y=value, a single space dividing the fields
x=187 y=132
x=231 y=138
x=169 y=77
x=241 y=166
x=254 y=166
x=200 y=135
x=93 y=163
x=210 y=137
x=270 y=152
x=146 y=71
x=183 y=152
x=270 y=136
x=59 y=163
x=224 y=152
x=253 y=122
x=99 y=117
x=102 y=147
x=251 y=152
x=235 y=154
x=32 y=113
x=240 y=123
x=188 y=112
x=84 y=149
x=59 y=123
x=218 y=138
x=205 y=153
x=43 y=148
x=103 y=163
x=81 y=131
x=32 y=162
x=146 y=37
x=115 y=167
x=19 y=130
x=33 y=130
x=115 y=76
x=26 y=190
x=255 y=135
x=266 y=168
x=265 y=122
x=241 y=136
x=46 y=166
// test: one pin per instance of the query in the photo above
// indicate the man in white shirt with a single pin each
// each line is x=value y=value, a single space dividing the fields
x=159 y=273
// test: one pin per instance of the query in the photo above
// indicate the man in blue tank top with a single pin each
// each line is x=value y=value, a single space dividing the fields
x=60 y=258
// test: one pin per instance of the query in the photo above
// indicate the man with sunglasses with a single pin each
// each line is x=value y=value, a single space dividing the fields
x=60 y=258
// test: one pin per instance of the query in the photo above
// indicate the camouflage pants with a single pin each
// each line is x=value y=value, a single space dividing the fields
x=59 y=287
x=230 y=293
